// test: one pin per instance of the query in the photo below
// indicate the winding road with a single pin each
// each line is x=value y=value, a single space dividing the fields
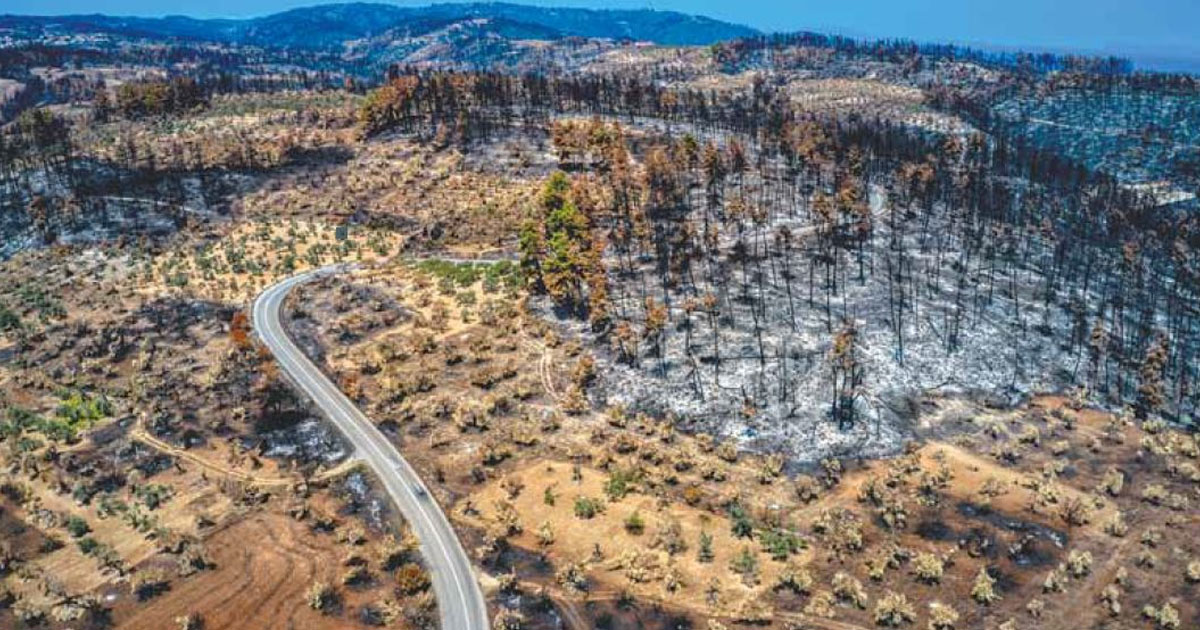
x=459 y=597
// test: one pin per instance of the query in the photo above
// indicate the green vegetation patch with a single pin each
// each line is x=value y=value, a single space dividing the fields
x=493 y=275
x=77 y=411
x=36 y=298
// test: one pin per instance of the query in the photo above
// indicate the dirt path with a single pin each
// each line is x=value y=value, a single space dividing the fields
x=576 y=621
x=569 y=609
x=141 y=435
x=544 y=368
x=547 y=378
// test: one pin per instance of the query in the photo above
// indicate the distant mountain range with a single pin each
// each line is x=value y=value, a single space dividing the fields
x=333 y=25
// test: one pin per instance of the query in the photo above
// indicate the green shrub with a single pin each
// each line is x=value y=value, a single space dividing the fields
x=745 y=564
x=742 y=526
x=780 y=543
x=635 y=524
x=88 y=546
x=586 y=507
x=619 y=484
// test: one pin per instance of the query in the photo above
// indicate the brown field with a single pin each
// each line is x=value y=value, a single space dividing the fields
x=78 y=573
x=575 y=539
x=264 y=565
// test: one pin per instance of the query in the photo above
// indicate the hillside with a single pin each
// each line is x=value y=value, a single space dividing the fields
x=330 y=26
x=486 y=317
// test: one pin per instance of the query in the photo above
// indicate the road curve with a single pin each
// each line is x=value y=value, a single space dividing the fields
x=458 y=595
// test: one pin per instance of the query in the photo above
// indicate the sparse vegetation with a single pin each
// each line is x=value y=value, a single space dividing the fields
x=712 y=336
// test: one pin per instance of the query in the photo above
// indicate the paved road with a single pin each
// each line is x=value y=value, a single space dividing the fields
x=459 y=598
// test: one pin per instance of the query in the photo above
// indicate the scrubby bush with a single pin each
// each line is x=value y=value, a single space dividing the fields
x=509 y=620
x=1111 y=598
x=1076 y=512
x=545 y=535
x=807 y=489
x=147 y=583
x=1112 y=482
x=795 y=578
x=572 y=577
x=894 y=610
x=848 y=589
x=412 y=579
x=77 y=527
x=928 y=568
x=821 y=604
x=669 y=537
x=942 y=616
x=587 y=507
x=741 y=525
x=1079 y=563
x=780 y=543
x=620 y=483
x=745 y=564
x=1056 y=580
x=705 y=550
x=983 y=590
x=1165 y=617
x=1116 y=525
x=752 y=610
x=321 y=597
x=1192 y=572
x=1155 y=494
x=357 y=574
x=635 y=524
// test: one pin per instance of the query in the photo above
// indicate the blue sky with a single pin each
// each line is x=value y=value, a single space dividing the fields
x=1140 y=28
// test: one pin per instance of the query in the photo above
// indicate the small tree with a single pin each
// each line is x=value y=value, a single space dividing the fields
x=1165 y=617
x=509 y=620
x=1079 y=563
x=1192 y=573
x=148 y=583
x=705 y=550
x=847 y=588
x=795 y=578
x=587 y=507
x=745 y=564
x=742 y=526
x=942 y=616
x=239 y=330
x=983 y=591
x=77 y=527
x=928 y=568
x=545 y=534
x=412 y=579
x=894 y=610
x=1151 y=390
x=635 y=524
x=321 y=597
x=846 y=374
x=780 y=543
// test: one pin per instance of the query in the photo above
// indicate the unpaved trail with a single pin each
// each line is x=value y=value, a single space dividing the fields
x=141 y=435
